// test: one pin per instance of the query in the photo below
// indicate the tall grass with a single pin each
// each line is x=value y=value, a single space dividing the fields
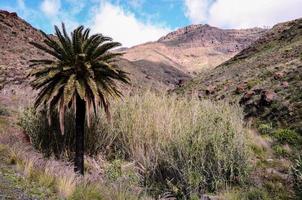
x=297 y=177
x=181 y=147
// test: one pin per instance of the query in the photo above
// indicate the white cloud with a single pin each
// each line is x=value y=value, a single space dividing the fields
x=51 y=7
x=254 y=13
x=123 y=26
x=245 y=13
x=196 y=10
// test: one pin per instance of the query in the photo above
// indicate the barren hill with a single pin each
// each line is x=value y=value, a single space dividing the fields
x=196 y=47
x=266 y=77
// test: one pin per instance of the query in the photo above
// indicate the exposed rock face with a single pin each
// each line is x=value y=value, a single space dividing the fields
x=196 y=47
x=228 y=40
x=15 y=35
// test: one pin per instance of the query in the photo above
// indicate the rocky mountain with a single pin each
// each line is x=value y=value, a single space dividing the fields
x=196 y=47
x=266 y=77
x=162 y=64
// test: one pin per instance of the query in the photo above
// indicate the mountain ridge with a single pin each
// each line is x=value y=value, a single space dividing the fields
x=195 y=47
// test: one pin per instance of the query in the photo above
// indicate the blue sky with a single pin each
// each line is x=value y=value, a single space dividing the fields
x=137 y=21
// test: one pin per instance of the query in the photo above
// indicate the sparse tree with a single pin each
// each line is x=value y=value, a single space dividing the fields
x=81 y=74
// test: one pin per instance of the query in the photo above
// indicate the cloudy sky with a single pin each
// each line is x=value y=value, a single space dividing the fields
x=133 y=22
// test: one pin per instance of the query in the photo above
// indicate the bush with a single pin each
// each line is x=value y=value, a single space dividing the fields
x=3 y=111
x=183 y=146
x=255 y=194
x=48 y=138
x=265 y=129
x=288 y=136
x=252 y=83
x=297 y=177
x=86 y=192
x=280 y=150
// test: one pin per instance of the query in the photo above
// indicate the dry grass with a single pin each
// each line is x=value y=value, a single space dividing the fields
x=178 y=143
x=174 y=146
x=66 y=184
x=58 y=176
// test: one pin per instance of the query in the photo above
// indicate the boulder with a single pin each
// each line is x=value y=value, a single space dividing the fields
x=267 y=97
x=278 y=75
x=210 y=89
x=284 y=84
x=240 y=88
x=248 y=95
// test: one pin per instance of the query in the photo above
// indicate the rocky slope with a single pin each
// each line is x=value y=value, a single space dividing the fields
x=15 y=35
x=266 y=78
x=196 y=47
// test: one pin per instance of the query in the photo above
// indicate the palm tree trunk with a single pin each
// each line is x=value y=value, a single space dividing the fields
x=79 y=139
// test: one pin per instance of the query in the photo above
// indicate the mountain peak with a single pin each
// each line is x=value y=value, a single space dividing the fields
x=8 y=14
x=182 y=31
x=207 y=35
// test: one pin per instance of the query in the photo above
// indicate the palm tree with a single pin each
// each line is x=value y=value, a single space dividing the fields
x=81 y=74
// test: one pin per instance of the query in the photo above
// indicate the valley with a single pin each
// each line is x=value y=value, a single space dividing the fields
x=210 y=113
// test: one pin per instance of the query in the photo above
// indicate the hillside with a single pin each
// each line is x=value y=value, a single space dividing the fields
x=162 y=64
x=266 y=78
x=196 y=47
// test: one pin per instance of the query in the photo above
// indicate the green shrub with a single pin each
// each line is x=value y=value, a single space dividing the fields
x=265 y=129
x=297 y=177
x=259 y=151
x=114 y=170
x=86 y=192
x=252 y=83
x=288 y=136
x=255 y=194
x=47 y=138
x=280 y=151
x=3 y=111
x=276 y=189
